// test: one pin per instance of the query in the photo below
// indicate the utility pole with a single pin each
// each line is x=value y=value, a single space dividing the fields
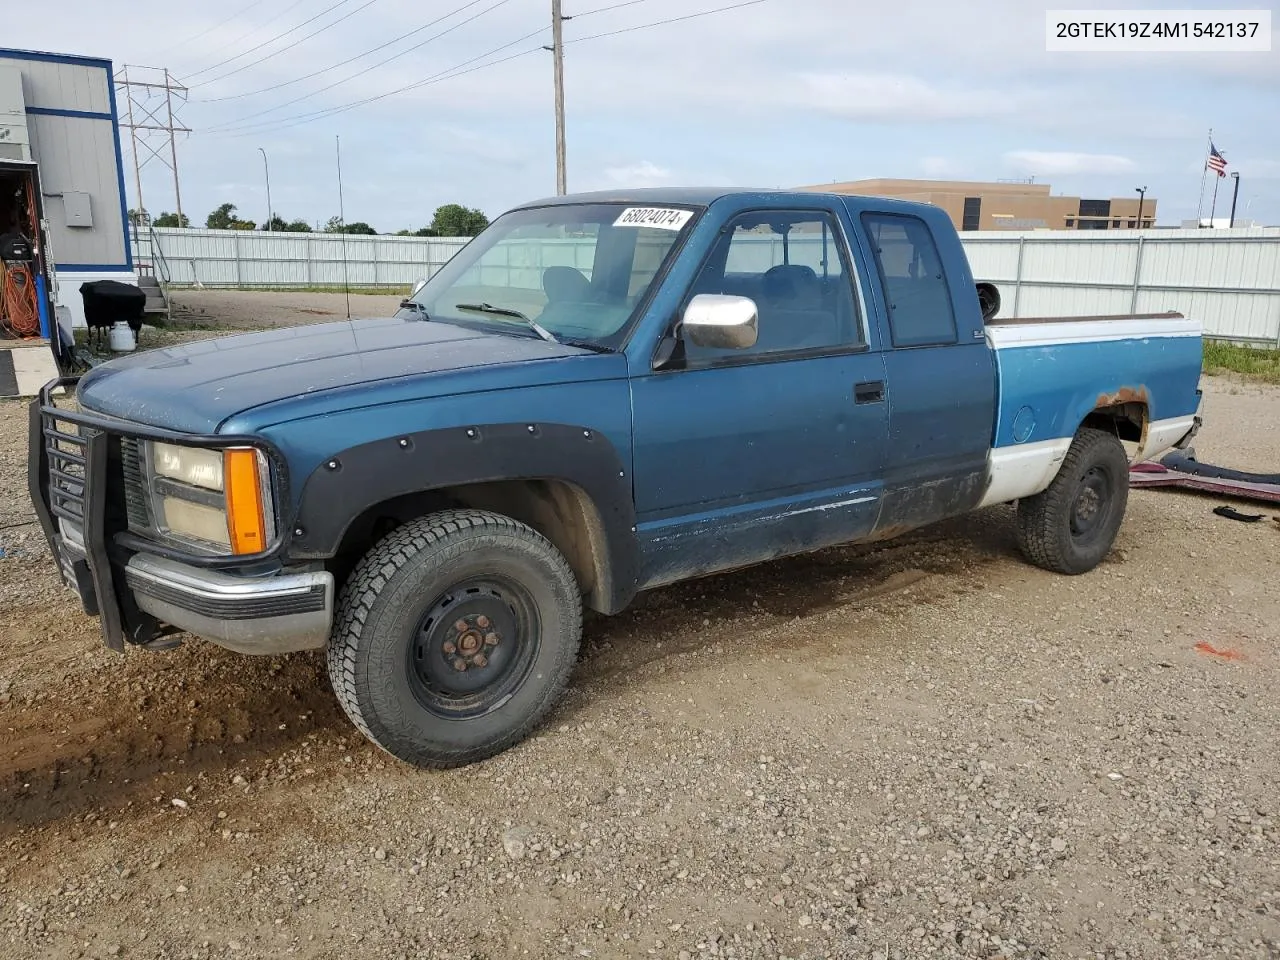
x=133 y=136
x=557 y=52
x=149 y=115
x=1142 y=195
x=266 y=172
x=1235 y=194
x=173 y=147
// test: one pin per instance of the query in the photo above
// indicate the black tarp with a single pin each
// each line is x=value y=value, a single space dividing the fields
x=110 y=301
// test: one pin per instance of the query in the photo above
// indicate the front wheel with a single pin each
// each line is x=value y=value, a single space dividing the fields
x=453 y=636
x=1072 y=525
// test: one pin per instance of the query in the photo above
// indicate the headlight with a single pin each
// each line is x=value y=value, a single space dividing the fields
x=193 y=465
x=218 y=501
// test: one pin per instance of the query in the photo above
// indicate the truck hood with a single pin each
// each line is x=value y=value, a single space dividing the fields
x=195 y=387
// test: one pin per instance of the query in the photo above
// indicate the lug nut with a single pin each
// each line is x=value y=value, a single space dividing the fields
x=450 y=648
x=459 y=664
x=482 y=621
x=460 y=626
x=490 y=639
x=480 y=660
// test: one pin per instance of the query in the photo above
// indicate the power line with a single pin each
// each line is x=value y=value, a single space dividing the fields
x=358 y=56
x=358 y=73
x=613 y=6
x=266 y=42
x=447 y=74
x=383 y=46
x=456 y=71
x=219 y=24
x=265 y=23
x=662 y=23
x=293 y=45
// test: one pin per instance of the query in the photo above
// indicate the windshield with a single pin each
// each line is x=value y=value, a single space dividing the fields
x=578 y=270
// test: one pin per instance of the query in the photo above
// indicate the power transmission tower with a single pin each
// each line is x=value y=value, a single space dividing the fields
x=151 y=121
x=557 y=52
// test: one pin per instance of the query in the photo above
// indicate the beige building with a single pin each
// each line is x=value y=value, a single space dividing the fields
x=974 y=205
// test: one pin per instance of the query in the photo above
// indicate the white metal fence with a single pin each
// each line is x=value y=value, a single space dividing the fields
x=1228 y=279
x=247 y=258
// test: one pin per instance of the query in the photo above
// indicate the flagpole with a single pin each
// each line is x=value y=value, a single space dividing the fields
x=1216 y=178
x=1204 y=173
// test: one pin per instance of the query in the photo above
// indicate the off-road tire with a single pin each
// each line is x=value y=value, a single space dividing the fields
x=380 y=610
x=1095 y=461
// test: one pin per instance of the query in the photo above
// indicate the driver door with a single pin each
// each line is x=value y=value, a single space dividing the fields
x=748 y=454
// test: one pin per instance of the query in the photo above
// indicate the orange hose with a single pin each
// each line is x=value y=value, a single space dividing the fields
x=18 y=305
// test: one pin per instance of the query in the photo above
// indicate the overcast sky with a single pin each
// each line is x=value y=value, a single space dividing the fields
x=781 y=93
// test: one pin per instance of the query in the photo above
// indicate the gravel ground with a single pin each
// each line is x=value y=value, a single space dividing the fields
x=921 y=748
x=254 y=309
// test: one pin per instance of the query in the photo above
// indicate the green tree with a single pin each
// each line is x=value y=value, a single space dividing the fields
x=222 y=218
x=335 y=225
x=139 y=218
x=280 y=225
x=455 y=220
x=172 y=220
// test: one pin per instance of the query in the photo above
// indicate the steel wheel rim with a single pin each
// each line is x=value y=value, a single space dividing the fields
x=1092 y=505
x=473 y=647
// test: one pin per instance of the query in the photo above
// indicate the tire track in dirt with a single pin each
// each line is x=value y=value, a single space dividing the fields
x=201 y=709
x=204 y=712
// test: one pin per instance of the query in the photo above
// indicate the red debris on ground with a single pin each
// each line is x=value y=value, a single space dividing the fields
x=1203 y=647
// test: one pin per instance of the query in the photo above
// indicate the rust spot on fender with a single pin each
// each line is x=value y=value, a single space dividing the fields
x=1123 y=395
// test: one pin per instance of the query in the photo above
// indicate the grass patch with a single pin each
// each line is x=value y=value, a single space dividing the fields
x=1263 y=365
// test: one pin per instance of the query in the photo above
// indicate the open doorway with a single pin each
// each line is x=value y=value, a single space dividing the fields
x=24 y=304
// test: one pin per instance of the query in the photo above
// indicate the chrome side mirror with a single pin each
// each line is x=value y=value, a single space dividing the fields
x=408 y=302
x=717 y=320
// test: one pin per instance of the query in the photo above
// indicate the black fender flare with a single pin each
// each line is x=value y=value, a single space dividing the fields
x=352 y=481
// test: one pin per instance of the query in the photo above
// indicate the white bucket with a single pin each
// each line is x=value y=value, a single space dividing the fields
x=121 y=338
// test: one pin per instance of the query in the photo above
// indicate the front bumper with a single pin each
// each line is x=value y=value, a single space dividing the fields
x=140 y=597
x=280 y=613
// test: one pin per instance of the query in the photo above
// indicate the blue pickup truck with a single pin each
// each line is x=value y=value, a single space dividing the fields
x=601 y=394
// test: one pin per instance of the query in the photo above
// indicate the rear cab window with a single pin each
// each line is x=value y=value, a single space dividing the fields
x=916 y=293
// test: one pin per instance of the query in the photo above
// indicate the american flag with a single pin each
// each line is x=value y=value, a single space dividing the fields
x=1217 y=161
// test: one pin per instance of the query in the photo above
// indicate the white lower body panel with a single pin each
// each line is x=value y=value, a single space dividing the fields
x=1162 y=435
x=1026 y=469
x=1023 y=470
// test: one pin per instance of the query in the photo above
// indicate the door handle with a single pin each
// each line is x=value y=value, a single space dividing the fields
x=871 y=391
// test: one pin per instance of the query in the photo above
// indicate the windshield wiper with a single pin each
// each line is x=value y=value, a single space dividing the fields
x=536 y=327
x=588 y=345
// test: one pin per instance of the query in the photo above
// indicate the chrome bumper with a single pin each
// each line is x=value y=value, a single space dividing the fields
x=272 y=614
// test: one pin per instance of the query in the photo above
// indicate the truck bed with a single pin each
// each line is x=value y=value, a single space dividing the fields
x=1052 y=372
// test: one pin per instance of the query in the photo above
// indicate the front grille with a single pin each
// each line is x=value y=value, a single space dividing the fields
x=135 y=496
x=65 y=447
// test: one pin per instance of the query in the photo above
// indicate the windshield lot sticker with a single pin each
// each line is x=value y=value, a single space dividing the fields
x=663 y=218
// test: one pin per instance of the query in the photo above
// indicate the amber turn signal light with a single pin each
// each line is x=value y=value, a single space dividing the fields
x=246 y=522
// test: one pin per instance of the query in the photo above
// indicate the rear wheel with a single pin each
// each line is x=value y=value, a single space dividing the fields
x=453 y=637
x=1072 y=525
